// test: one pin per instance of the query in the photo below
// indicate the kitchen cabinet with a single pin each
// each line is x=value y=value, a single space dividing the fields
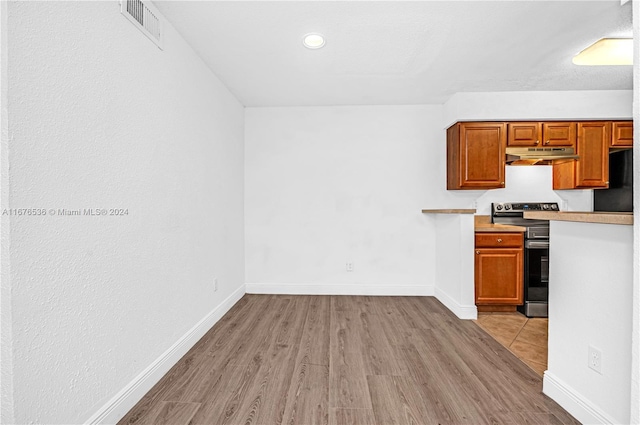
x=541 y=134
x=591 y=170
x=476 y=155
x=476 y=151
x=621 y=134
x=499 y=269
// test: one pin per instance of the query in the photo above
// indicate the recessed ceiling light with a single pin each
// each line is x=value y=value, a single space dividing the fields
x=607 y=51
x=313 y=41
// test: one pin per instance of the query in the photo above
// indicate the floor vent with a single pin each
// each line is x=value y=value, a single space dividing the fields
x=145 y=17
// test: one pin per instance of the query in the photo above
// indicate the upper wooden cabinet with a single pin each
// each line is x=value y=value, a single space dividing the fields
x=622 y=134
x=524 y=133
x=476 y=155
x=476 y=151
x=541 y=133
x=591 y=170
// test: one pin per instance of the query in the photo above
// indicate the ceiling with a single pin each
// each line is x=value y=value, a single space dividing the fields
x=397 y=52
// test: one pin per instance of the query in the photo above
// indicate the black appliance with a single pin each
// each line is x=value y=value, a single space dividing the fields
x=536 y=252
x=619 y=196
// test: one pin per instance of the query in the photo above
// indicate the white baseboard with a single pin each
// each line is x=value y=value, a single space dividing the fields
x=465 y=312
x=334 y=289
x=573 y=402
x=125 y=399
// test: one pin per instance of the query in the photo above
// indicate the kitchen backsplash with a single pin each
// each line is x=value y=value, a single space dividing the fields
x=534 y=184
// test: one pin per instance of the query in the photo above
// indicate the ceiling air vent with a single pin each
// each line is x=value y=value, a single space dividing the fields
x=145 y=17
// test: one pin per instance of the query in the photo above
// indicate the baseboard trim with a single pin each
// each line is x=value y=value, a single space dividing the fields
x=465 y=312
x=335 y=289
x=125 y=399
x=573 y=402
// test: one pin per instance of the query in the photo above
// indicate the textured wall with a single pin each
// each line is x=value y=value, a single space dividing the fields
x=635 y=345
x=99 y=117
x=6 y=332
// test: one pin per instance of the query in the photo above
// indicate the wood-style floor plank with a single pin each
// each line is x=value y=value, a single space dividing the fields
x=341 y=416
x=445 y=365
x=334 y=360
x=266 y=400
x=308 y=397
x=314 y=345
x=377 y=350
x=172 y=413
x=395 y=401
x=347 y=374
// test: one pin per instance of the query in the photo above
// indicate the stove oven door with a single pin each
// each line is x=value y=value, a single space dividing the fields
x=536 y=278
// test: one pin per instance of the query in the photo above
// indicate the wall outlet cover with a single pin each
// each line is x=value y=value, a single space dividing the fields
x=595 y=359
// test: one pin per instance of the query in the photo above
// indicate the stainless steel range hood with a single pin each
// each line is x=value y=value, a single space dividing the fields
x=537 y=155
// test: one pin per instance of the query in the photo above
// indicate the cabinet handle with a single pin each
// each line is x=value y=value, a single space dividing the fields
x=502 y=183
x=477 y=252
x=499 y=240
x=537 y=142
x=547 y=142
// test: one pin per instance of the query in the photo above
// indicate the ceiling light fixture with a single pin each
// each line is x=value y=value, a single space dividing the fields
x=313 y=41
x=607 y=51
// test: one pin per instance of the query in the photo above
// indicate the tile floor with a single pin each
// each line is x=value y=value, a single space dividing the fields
x=524 y=337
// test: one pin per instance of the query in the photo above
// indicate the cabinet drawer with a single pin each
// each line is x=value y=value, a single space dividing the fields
x=499 y=240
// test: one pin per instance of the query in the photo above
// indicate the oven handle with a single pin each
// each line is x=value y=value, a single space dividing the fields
x=532 y=244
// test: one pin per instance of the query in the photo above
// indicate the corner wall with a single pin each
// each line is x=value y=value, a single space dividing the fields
x=100 y=118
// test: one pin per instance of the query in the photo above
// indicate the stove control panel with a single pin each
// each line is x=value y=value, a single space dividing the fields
x=520 y=207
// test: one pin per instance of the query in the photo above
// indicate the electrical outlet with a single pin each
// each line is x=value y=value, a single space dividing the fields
x=215 y=284
x=595 y=359
x=349 y=266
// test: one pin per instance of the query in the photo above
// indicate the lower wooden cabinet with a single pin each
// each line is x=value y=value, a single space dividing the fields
x=499 y=263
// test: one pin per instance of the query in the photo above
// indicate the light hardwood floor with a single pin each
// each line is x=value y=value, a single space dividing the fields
x=303 y=360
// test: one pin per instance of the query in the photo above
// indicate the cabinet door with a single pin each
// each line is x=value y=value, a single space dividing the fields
x=499 y=276
x=622 y=134
x=524 y=133
x=592 y=169
x=480 y=149
x=559 y=133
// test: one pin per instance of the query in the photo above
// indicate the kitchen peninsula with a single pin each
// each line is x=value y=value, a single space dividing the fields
x=582 y=216
x=590 y=308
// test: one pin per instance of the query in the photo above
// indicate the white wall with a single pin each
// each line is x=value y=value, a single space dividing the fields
x=99 y=117
x=455 y=263
x=541 y=105
x=635 y=342
x=327 y=185
x=590 y=305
